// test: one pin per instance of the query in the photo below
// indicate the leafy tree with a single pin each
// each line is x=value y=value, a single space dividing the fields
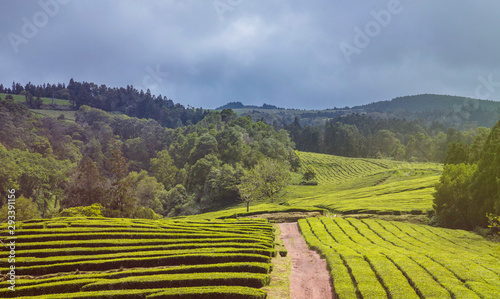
x=148 y=192
x=164 y=169
x=26 y=209
x=453 y=202
x=267 y=180
x=485 y=188
x=205 y=145
x=199 y=172
x=33 y=176
x=457 y=153
x=221 y=184
x=86 y=185
x=175 y=199
x=120 y=201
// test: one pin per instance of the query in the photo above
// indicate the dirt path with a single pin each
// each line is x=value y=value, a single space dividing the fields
x=309 y=278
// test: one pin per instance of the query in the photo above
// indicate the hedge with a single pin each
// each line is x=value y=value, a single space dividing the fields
x=125 y=242
x=28 y=261
x=262 y=268
x=219 y=292
x=69 y=286
x=48 y=252
x=182 y=280
x=113 y=294
x=157 y=261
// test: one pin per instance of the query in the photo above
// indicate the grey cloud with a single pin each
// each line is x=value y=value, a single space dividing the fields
x=280 y=52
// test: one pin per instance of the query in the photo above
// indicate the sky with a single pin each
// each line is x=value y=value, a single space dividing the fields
x=289 y=53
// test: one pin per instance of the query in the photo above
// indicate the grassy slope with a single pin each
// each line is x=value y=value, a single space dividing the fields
x=46 y=101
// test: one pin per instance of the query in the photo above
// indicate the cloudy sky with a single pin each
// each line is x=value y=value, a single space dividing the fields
x=290 y=53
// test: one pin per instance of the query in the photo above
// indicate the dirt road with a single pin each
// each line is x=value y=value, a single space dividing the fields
x=309 y=278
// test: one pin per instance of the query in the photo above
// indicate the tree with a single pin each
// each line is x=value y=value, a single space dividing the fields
x=164 y=170
x=26 y=209
x=485 y=187
x=86 y=185
x=267 y=180
x=457 y=153
x=120 y=198
x=453 y=202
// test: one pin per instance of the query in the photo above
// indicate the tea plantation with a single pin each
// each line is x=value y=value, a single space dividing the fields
x=354 y=186
x=127 y=258
x=386 y=259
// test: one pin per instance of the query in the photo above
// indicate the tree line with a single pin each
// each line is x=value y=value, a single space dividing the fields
x=128 y=101
x=468 y=194
x=362 y=136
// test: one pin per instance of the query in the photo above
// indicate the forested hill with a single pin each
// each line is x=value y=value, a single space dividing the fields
x=429 y=102
x=450 y=111
x=126 y=100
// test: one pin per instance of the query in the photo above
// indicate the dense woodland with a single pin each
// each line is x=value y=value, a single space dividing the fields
x=152 y=158
x=132 y=167
x=469 y=188
x=359 y=135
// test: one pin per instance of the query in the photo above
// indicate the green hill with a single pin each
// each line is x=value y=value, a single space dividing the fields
x=430 y=102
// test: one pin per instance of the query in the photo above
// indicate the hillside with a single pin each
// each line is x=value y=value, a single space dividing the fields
x=354 y=186
x=449 y=110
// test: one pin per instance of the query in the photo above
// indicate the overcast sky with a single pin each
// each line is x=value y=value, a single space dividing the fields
x=290 y=53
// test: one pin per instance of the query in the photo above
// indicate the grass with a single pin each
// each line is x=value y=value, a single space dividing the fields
x=383 y=259
x=68 y=115
x=279 y=288
x=46 y=101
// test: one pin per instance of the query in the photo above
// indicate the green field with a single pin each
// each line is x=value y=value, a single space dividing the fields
x=384 y=259
x=124 y=258
x=46 y=101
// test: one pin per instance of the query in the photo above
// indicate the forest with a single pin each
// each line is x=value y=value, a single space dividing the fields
x=132 y=167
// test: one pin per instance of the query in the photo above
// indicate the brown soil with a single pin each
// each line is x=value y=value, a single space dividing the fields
x=309 y=278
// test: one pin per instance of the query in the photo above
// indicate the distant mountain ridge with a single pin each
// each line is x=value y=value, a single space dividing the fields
x=428 y=102
x=451 y=111
x=239 y=105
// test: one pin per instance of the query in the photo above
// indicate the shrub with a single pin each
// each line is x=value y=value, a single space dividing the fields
x=94 y=210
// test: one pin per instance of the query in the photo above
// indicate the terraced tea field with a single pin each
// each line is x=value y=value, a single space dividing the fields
x=336 y=169
x=127 y=258
x=353 y=186
x=383 y=259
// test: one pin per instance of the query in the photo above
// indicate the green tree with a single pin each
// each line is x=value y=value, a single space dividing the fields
x=453 y=203
x=485 y=187
x=86 y=186
x=457 y=153
x=221 y=183
x=120 y=201
x=164 y=170
x=26 y=209
x=267 y=180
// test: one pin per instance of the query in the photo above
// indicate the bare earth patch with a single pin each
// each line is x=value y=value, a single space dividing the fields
x=309 y=278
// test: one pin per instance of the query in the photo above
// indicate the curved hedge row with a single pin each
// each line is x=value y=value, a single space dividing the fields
x=382 y=259
x=201 y=259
